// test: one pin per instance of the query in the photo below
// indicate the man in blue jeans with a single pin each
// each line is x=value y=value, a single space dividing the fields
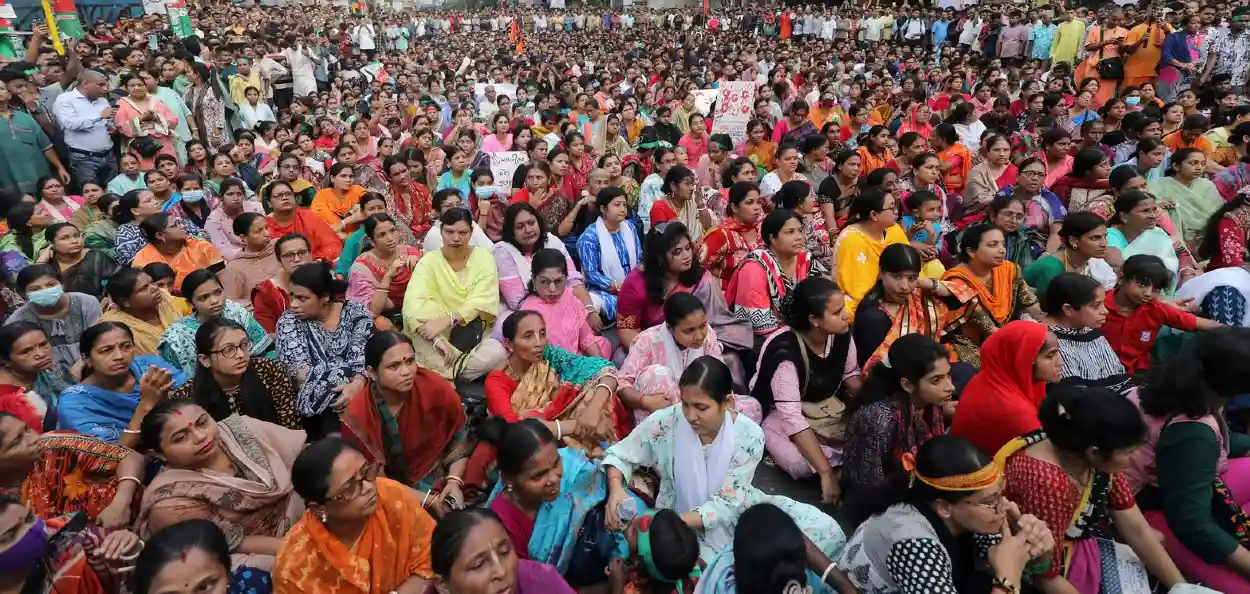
x=86 y=119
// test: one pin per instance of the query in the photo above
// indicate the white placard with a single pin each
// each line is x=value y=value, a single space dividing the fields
x=703 y=100
x=737 y=100
x=503 y=166
x=557 y=3
x=7 y=12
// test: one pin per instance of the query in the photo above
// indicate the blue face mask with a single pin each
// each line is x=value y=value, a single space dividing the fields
x=46 y=297
x=1132 y=101
x=485 y=192
x=193 y=195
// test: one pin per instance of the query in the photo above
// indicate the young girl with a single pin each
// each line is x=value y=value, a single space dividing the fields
x=923 y=226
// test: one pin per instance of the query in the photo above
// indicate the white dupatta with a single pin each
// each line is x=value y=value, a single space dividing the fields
x=675 y=358
x=700 y=472
x=609 y=258
x=525 y=270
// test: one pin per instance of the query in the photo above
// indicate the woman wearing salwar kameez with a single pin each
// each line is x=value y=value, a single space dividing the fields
x=410 y=420
x=206 y=295
x=706 y=455
x=609 y=249
x=574 y=395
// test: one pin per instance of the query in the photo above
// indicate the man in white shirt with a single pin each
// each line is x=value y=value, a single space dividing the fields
x=86 y=120
x=365 y=34
x=872 y=26
x=488 y=107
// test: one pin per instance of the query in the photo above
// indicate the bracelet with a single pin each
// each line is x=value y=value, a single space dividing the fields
x=122 y=479
x=426 y=498
x=559 y=431
x=130 y=431
x=1001 y=583
x=590 y=308
x=824 y=577
x=451 y=478
x=602 y=385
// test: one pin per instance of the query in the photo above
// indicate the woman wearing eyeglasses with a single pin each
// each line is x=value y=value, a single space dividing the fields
x=362 y=532
x=272 y=296
x=202 y=289
x=236 y=472
x=285 y=217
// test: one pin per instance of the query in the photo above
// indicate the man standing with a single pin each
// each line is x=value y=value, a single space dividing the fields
x=1230 y=52
x=1041 y=39
x=86 y=119
x=1011 y=41
x=1069 y=36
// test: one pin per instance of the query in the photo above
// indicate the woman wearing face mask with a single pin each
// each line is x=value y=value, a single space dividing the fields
x=379 y=277
x=901 y=406
x=192 y=203
x=206 y=295
x=706 y=453
x=49 y=555
x=62 y=315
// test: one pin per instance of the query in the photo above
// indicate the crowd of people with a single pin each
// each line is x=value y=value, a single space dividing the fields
x=271 y=323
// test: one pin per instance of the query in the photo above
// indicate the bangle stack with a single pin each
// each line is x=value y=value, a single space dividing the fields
x=1001 y=583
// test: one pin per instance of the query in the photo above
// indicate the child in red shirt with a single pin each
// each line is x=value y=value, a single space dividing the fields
x=1135 y=314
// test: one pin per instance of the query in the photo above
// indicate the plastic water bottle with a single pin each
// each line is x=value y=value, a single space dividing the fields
x=627 y=510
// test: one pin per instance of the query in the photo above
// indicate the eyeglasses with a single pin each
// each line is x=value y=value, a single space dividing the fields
x=232 y=351
x=296 y=255
x=351 y=489
x=1033 y=174
x=995 y=506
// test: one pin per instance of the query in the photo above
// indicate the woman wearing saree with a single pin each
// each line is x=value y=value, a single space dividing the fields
x=379 y=277
x=766 y=275
x=1084 y=182
x=1194 y=197
x=550 y=201
x=235 y=472
x=254 y=264
x=371 y=204
x=476 y=533
x=995 y=172
x=573 y=395
x=724 y=247
x=1069 y=474
x=411 y=421
x=990 y=289
x=141 y=306
x=345 y=495
x=140 y=114
x=291 y=171
x=337 y=204
x=524 y=235
x=286 y=218
x=451 y=302
x=410 y=202
x=206 y=295
x=1134 y=230
x=872 y=227
x=706 y=455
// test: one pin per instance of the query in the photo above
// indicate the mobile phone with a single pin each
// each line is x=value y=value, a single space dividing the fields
x=153 y=42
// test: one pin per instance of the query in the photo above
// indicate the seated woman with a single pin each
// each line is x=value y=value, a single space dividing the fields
x=1085 y=182
x=728 y=244
x=230 y=379
x=372 y=203
x=659 y=355
x=379 y=278
x=286 y=218
x=197 y=546
x=60 y=473
x=682 y=202
x=1135 y=230
x=901 y=406
x=134 y=208
x=220 y=221
x=337 y=204
x=82 y=269
x=669 y=267
x=443 y=201
x=144 y=308
x=803 y=408
x=767 y=275
x=61 y=315
x=321 y=342
x=410 y=196
x=253 y=264
x=1000 y=403
x=524 y=234
x=30 y=379
x=797 y=196
x=1084 y=244
x=101 y=235
x=1069 y=474
x=411 y=421
x=451 y=303
x=21 y=235
x=64 y=554
x=118 y=387
x=609 y=250
x=235 y=472
x=192 y=203
x=1190 y=476
x=1191 y=196
x=705 y=454
x=873 y=225
x=575 y=396
x=361 y=532
x=465 y=539
x=169 y=243
x=271 y=297
x=990 y=288
x=922 y=538
x=204 y=292
x=1076 y=308
x=568 y=317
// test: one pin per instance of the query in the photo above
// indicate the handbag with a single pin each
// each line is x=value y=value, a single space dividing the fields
x=466 y=337
x=824 y=417
x=1108 y=68
x=593 y=550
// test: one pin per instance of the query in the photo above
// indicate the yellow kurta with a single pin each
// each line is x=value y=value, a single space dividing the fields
x=858 y=261
x=436 y=290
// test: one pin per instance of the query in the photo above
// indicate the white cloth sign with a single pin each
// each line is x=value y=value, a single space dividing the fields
x=737 y=100
x=503 y=166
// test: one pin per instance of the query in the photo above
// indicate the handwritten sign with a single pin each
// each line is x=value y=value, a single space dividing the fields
x=503 y=166
x=733 y=110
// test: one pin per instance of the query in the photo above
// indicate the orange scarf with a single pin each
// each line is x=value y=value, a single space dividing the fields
x=998 y=299
x=869 y=162
x=394 y=546
x=962 y=169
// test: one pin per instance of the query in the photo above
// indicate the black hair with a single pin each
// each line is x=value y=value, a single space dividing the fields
x=513 y=323
x=735 y=166
x=456 y=215
x=515 y=443
x=121 y=285
x=946 y=132
x=172 y=543
x=675 y=175
x=738 y=192
x=1198 y=380
x=792 y=194
x=1054 y=135
x=769 y=550
x=1178 y=158
x=154 y=225
x=917 y=199
x=971 y=239
x=49 y=233
x=545 y=259
x=254 y=401
x=1211 y=238
x=285 y=239
x=659 y=242
x=710 y=375
x=153 y=424
x=1147 y=271
x=807 y=299
x=602 y=200
x=195 y=279
x=1086 y=160
x=1071 y=289
x=441 y=196
x=1123 y=174
x=371 y=223
x=1126 y=202
x=9 y=335
x=895 y=258
x=310 y=473
x=33 y=273
x=911 y=357
x=317 y=278
x=869 y=201
x=243 y=223
x=774 y=223
x=1077 y=224
x=941 y=457
x=18 y=219
x=371 y=197
x=510 y=215
x=680 y=305
x=1077 y=418
x=379 y=343
x=88 y=338
x=450 y=533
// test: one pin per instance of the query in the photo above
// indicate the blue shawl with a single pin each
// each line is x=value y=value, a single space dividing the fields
x=1176 y=47
x=100 y=413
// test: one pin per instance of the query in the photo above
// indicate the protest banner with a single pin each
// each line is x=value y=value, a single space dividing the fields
x=503 y=166
x=733 y=110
